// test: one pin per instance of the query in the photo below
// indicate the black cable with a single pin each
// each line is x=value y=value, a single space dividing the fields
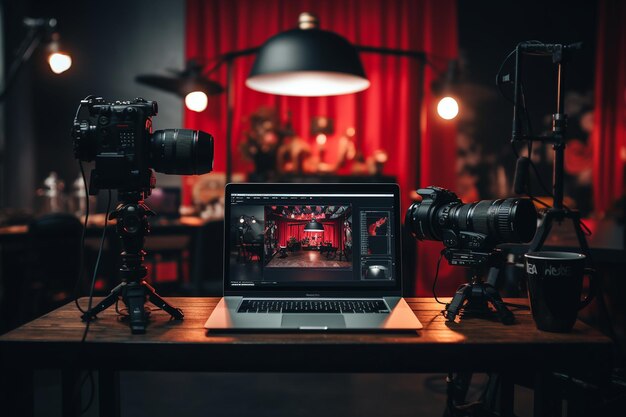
x=87 y=209
x=92 y=393
x=95 y=269
x=518 y=306
x=436 y=277
x=499 y=73
x=90 y=303
x=538 y=201
x=92 y=390
x=82 y=241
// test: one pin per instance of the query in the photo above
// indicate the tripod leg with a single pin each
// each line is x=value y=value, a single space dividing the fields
x=462 y=294
x=582 y=239
x=542 y=232
x=156 y=299
x=135 y=298
x=110 y=299
x=492 y=295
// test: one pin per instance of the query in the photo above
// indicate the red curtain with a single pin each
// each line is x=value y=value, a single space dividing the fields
x=609 y=136
x=333 y=233
x=386 y=116
x=287 y=229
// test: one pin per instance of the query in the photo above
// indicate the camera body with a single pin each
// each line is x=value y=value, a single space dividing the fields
x=118 y=136
x=478 y=226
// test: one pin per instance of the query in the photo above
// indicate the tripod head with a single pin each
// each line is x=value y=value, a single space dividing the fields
x=132 y=227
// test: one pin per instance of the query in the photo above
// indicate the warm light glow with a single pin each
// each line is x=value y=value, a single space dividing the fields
x=448 y=108
x=321 y=139
x=59 y=62
x=196 y=101
x=308 y=83
x=241 y=220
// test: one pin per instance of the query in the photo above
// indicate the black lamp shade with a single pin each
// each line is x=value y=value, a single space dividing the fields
x=314 y=226
x=307 y=63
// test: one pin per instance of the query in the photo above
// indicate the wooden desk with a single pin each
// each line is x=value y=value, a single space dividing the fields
x=53 y=342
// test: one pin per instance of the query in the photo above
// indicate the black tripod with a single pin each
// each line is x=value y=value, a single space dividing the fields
x=473 y=299
x=132 y=226
x=558 y=212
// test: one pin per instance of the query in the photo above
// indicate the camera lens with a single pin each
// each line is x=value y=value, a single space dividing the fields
x=181 y=151
x=511 y=220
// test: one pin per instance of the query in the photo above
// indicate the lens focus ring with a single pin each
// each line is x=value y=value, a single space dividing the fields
x=503 y=220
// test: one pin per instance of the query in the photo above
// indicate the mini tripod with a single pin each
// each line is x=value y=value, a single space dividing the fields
x=132 y=226
x=473 y=299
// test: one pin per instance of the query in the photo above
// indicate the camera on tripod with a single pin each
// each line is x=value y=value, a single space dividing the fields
x=118 y=136
x=470 y=233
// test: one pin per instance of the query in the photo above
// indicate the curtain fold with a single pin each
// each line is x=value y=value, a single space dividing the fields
x=386 y=116
x=609 y=135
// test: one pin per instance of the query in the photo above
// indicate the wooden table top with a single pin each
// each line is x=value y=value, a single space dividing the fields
x=53 y=341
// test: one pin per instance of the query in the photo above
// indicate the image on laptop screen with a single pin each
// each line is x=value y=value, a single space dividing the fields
x=322 y=239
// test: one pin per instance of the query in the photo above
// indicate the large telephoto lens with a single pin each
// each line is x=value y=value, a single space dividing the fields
x=511 y=220
x=181 y=151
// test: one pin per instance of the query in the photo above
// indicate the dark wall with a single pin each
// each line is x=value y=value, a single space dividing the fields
x=111 y=42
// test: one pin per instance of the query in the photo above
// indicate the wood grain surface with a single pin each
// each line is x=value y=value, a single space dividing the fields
x=53 y=341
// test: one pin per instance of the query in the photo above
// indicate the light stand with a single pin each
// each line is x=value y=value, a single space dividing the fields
x=229 y=59
x=558 y=212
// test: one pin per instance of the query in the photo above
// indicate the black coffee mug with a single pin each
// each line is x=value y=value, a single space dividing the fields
x=555 y=282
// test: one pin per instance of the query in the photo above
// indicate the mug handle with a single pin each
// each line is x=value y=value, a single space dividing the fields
x=592 y=288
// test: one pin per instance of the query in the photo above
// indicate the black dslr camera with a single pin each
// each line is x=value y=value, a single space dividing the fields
x=119 y=137
x=471 y=229
x=470 y=233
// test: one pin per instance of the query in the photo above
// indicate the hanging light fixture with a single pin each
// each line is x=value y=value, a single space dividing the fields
x=307 y=62
x=314 y=226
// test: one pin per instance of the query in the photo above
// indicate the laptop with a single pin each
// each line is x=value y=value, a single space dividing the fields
x=312 y=257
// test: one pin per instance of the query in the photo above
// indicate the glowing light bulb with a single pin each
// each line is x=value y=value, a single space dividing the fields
x=196 y=101
x=448 y=108
x=59 y=62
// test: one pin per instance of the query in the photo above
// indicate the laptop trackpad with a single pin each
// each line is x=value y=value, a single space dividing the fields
x=313 y=321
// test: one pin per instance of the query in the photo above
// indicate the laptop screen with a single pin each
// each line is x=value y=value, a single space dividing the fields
x=307 y=237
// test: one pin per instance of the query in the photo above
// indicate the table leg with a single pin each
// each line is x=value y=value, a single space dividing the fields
x=507 y=395
x=17 y=392
x=547 y=400
x=71 y=403
x=109 y=393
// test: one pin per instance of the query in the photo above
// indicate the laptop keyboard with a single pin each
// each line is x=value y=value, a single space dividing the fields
x=313 y=306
